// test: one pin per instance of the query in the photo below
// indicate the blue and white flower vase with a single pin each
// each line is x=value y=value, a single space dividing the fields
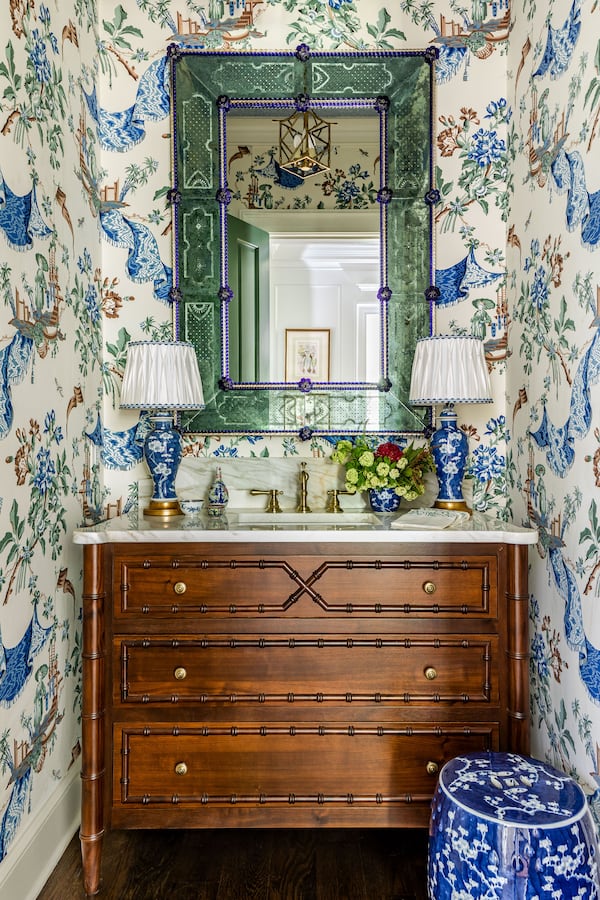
x=384 y=500
x=218 y=496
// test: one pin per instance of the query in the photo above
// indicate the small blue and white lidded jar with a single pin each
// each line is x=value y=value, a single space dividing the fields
x=218 y=496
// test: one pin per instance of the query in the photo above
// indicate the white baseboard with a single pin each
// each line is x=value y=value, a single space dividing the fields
x=34 y=853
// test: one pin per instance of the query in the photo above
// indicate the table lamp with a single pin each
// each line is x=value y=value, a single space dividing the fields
x=449 y=369
x=161 y=377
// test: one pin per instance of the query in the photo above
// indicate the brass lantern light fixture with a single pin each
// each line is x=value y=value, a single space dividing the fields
x=304 y=141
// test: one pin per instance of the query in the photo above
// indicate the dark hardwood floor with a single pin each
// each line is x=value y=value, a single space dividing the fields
x=313 y=864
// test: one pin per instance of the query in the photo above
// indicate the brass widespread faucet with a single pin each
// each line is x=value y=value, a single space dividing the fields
x=303 y=506
x=333 y=503
x=272 y=502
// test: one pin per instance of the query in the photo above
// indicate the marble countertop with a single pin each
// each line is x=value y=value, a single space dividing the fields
x=236 y=527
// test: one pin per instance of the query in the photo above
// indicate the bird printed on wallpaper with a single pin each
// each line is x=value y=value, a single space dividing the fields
x=513 y=239
x=546 y=137
x=36 y=326
x=75 y=400
x=69 y=33
x=61 y=199
x=520 y=402
x=65 y=584
x=524 y=54
x=41 y=326
x=239 y=154
x=38 y=318
x=560 y=45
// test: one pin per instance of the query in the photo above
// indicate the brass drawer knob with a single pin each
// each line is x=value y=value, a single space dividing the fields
x=432 y=768
x=180 y=673
x=430 y=673
x=181 y=768
x=429 y=587
x=180 y=587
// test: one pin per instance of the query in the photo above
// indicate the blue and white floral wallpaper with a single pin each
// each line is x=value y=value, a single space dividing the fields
x=86 y=264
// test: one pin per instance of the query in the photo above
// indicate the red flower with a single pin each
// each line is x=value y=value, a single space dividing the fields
x=389 y=450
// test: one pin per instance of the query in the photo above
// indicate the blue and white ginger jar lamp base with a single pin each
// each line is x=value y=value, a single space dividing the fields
x=449 y=448
x=162 y=452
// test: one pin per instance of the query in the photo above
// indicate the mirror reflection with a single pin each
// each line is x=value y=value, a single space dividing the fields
x=304 y=253
x=302 y=222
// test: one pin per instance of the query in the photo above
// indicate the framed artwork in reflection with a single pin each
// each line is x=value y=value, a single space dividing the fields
x=307 y=354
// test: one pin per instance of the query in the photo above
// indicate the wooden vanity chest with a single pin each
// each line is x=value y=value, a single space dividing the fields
x=293 y=683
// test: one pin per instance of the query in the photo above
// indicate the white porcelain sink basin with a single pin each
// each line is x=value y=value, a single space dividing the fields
x=307 y=520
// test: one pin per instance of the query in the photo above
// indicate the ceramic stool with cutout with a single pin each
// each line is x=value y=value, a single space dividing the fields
x=509 y=827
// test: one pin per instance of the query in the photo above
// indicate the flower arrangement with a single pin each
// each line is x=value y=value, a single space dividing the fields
x=388 y=466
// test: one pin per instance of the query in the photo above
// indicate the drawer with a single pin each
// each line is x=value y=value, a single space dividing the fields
x=180 y=587
x=312 y=669
x=274 y=764
x=167 y=586
x=427 y=587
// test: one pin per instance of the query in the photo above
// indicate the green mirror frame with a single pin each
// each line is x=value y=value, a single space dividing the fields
x=206 y=87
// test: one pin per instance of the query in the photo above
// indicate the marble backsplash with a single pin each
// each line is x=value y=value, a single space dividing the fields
x=243 y=475
x=283 y=474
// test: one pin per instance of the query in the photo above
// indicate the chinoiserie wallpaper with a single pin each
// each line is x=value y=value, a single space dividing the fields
x=86 y=264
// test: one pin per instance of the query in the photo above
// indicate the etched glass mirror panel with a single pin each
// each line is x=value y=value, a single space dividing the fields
x=302 y=216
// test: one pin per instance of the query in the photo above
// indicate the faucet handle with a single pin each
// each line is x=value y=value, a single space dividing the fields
x=272 y=503
x=333 y=504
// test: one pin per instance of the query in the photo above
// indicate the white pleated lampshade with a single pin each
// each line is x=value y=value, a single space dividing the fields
x=449 y=368
x=161 y=375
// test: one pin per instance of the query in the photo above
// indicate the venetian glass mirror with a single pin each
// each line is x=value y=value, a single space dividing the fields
x=302 y=218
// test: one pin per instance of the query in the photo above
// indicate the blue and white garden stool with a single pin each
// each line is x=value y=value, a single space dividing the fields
x=508 y=827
